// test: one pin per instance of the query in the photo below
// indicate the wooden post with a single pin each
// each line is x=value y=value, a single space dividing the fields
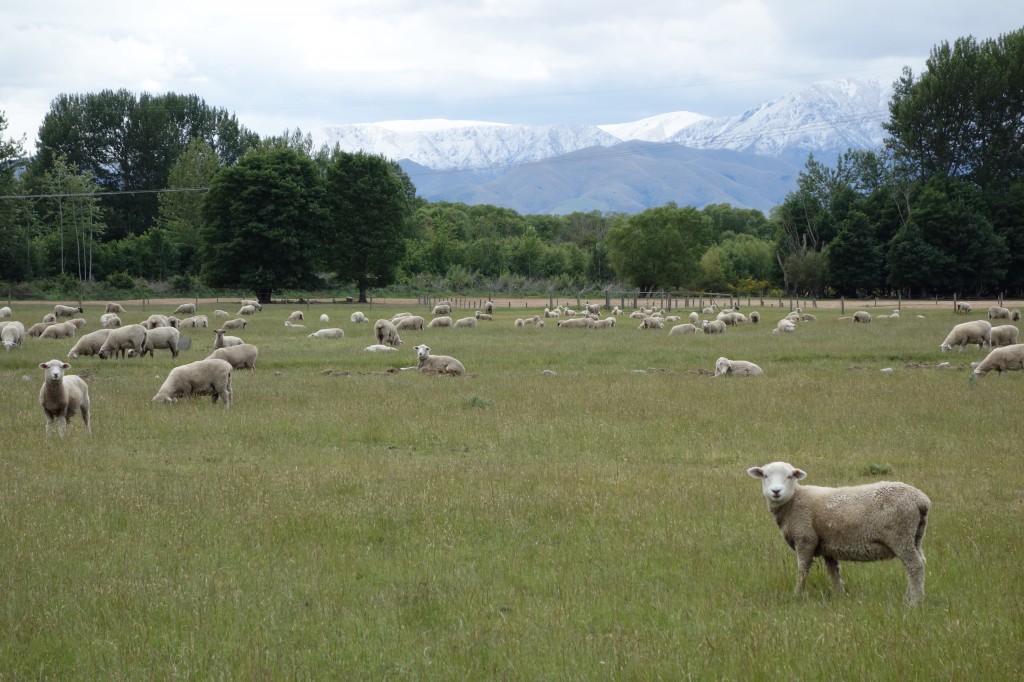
x=842 y=305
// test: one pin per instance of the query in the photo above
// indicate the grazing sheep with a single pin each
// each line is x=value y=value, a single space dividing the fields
x=119 y=340
x=755 y=317
x=378 y=347
x=296 y=316
x=862 y=316
x=13 y=334
x=110 y=320
x=154 y=321
x=1005 y=359
x=358 y=317
x=37 y=329
x=711 y=309
x=437 y=364
x=386 y=333
x=807 y=317
x=89 y=344
x=220 y=313
x=713 y=326
x=1004 y=335
x=331 y=333
x=79 y=322
x=731 y=317
x=194 y=322
x=50 y=318
x=738 y=368
x=161 y=337
x=59 y=330
x=247 y=310
x=694 y=318
x=683 y=329
x=241 y=356
x=185 y=309
x=62 y=395
x=998 y=313
x=71 y=310
x=978 y=331
x=486 y=317
x=414 y=322
x=397 y=316
x=221 y=341
x=869 y=522
x=237 y=323
x=211 y=376
x=963 y=307
x=114 y=308
x=324 y=318
x=443 y=321
x=253 y=302
x=652 y=323
x=465 y=323
x=441 y=309
x=6 y=312
x=576 y=323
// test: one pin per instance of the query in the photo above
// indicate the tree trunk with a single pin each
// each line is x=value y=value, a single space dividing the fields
x=362 y=292
x=264 y=295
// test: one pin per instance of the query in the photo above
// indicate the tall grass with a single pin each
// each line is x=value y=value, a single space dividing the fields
x=370 y=523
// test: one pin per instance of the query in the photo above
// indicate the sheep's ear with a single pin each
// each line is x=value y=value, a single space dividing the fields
x=798 y=474
x=42 y=365
x=756 y=472
x=65 y=365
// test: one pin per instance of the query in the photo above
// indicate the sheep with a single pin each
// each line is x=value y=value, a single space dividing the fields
x=465 y=323
x=489 y=308
x=808 y=317
x=185 y=309
x=738 y=368
x=236 y=323
x=296 y=316
x=606 y=323
x=247 y=310
x=67 y=310
x=483 y=316
x=378 y=347
x=161 y=337
x=79 y=322
x=397 y=316
x=520 y=323
x=330 y=333
x=221 y=341
x=386 y=333
x=552 y=313
x=220 y=313
x=13 y=334
x=59 y=330
x=251 y=301
x=211 y=376
x=713 y=326
x=637 y=315
x=652 y=323
x=89 y=344
x=1005 y=359
x=193 y=322
x=1004 y=335
x=290 y=325
x=731 y=317
x=121 y=339
x=871 y=522
x=6 y=312
x=576 y=323
x=441 y=309
x=694 y=318
x=593 y=308
x=862 y=316
x=241 y=356
x=358 y=317
x=37 y=329
x=682 y=329
x=963 y=307
x=978 y=331
x=1015 y=315
x=755 y=317
x=114 y=308
x=324 y=319
x=49 y=318
x=62 y=395
x=998 y=313
x=443 y=321
x=154 y=321
x=437 y=364
x=110 y=320
x=784 y=325
x=711 y=309
x=414 y=322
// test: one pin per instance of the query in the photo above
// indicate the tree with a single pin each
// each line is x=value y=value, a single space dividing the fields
x=660 y=247
x=369 y=211
x=181 y=207
x=854 y=257
x=14 y=257
x=264 y=223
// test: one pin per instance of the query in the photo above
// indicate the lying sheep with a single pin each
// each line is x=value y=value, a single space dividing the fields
x=998 y=313
x=443 y=321
x=465 y=323
x=386 y=333
x=119 y=340
x=652 y=323
x=296 y=316
x=725 y=367
x=437 y=364
x=963 y=307
x=241 y=356
x=606 y=323
x=713 y=326
x=519 y=323
x=683 y=329
x=13 y=334
x=237 y=323
x=293 y=325
x=862 y=316
x=485 y=317
x=378 y=347
x=59 y=330
x=89 y=344
x=72 y=310
x=110 y=320
x=211 y=376
x=114 y=308
x=331 y=333
x=414 y=322
x=185 y=309
x=247 y=310
x=576 y=323
x=1005 y=359
x=358 y=317
x=159 y=338
x=62 y=395
x=808 y=317
x=784 y=325
x=1004 y=335
x=978 y=331
x=731 y=317
x=869 y=522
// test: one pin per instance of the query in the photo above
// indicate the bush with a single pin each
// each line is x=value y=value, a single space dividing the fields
x=120 y=280
x=182 y=284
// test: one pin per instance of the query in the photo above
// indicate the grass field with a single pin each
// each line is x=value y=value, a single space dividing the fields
x=344 y=520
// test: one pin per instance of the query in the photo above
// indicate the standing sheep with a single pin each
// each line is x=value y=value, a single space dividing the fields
x=358 y=317
x=6 y=312
x=60 y=330
x=1004 y=335
x=62 y=395
x=978 y=331
x=755 y=317
x=241 y=356
x=437 y=364
x=121 y=339
x=725 y=367
x=247 y=310
x=236 y=323
x=489 y=308
x=161 y=337
x=443 y=321
x=296 y=316
x=870 y=522
x=89 y=344
x=414 y=322
x=713 y=326
x=386 y=333
x=682 y=329
x=110 y=320
x=185 y=309
x=1005 y=359
x=441 y=309
x=465 y=323
x=324 y=319
x=963 y=307
x=862 y=316
x=114 y=308
x=211 y=376
x=71 y=310
x=13 y=334
x=998 y=313
x=220 y=313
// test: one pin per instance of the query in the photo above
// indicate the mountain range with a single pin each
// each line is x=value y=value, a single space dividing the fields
x=750 y=160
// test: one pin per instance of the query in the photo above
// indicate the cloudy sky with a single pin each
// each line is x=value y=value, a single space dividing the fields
x=310 y=63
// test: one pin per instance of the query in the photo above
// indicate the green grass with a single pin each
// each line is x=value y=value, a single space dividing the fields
x=371 y=523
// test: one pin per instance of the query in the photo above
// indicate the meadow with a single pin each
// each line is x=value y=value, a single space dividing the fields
x=345 y=519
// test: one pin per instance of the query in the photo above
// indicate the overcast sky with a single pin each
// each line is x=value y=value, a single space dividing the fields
x=310 y=63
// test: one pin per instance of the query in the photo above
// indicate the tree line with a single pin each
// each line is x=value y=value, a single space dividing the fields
x=165 y=187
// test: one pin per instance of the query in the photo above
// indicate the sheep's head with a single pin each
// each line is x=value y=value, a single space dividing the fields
x=778 y=481
x=945 y=347
x=422 y=351
x=722 y=366
x=54 y=369
x=164 y=398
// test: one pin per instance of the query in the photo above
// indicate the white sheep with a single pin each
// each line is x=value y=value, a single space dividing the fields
x=220 y=313
x=808 y=317
x=13 y=334
x=6 y=312
x=998 y=313
x=378 y=347
x=683 y=329
x=593 y=308
x=110 y=320
x=37 y=329
x=978 y=331
x=738 y=368
x=330 y=333
x=236 y=323
x=652 y=323
x=222 y=341
x=211 y=376
x=49 y=317
x=159 y=338
x=358 y=317
x=79 y=322
x=711 y=309
x=67 y=310
x=862 y=316
x=784 y=325
x=247 y=310
x=576 y=323
x=386 y=333
x=119 y=340
x=296 y=316
x=486 y=317
x=89 y=344
x=755 y=317
x=465 y=323
x=443 y=321
x=293 y=325
x=114 y=308
x=869 y=522
x=324 y=318
x=414 y=322
x=441 y=309
x=489 y=307
x=185 y=309
x=156 y=320
x=1005 y=359
x=59 y=330
x=63 y=395
x=731 y=317
x=253 y=302
x=241 y=356
x=713 y=326
x=1004 y=335
x=194 y=322
x=1015 y=315
x=520 y=323
x=437 y=364
x=606 y=323
x=963 y=307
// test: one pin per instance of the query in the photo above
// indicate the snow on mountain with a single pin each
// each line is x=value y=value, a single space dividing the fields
x=655 y=128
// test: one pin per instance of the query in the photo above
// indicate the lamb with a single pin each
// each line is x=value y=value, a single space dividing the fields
x=713 y=326
x=59 y=330
x=652 y=323
x=237 y=323
x=378 y=347
x=185 y=309
x=6 y=312
x=437 y=364
x=211 y=376
x=963 y=307
x=161 y=337
x=414 y=322
x=483 y=316
x=682 y=329
x=330 y=333
x=465 y=323
x=110 y=320
x=443 y=321
x=870 y=522
x=998 y=313
x=221 y=341
x=1005 y=359
x=114 y=308
x=241 y=356
x=755 y=317
x=13 y=334
x=862 y=316
x=121 y=339
x=738 y=368
x=324 y=318
x=386 y=333
x=1004 y=335
x=441 y=309
x=296 y=316
x=62 y=395
x=978 y=331
x=89 y=344
x=358 y=317
x=67 y=310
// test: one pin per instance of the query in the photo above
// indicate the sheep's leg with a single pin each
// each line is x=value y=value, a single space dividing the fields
x=804 y=559
x=49 y=424
x=833 y=572
x=913 y=561
x=85 y=417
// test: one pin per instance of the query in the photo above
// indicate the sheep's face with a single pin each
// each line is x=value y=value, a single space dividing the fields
x=778 y=481
x=422 y=351
x=54 y=369
x=945 y=347
x=722 y=366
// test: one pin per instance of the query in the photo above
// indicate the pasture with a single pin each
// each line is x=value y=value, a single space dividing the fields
x=348 y=520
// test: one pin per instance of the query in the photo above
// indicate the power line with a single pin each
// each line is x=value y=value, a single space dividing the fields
x=71 y=195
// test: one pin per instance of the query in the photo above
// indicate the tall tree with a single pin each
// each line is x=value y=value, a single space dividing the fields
x=855 y=257
x=181 y=206
x=660 y=247
x=14 y=261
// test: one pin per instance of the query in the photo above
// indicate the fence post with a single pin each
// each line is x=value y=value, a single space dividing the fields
x=842 y=305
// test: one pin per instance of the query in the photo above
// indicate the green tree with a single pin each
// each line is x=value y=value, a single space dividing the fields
x=368 y=219
x=659 y=247
x=73 y=213
x=15 y=215
x=264 y=223
x=854 y=257
x=181 y=206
